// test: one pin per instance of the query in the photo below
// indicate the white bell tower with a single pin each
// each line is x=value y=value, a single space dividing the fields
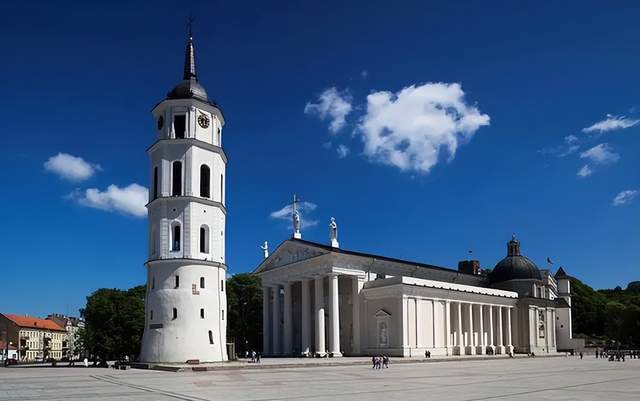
x=186 y=302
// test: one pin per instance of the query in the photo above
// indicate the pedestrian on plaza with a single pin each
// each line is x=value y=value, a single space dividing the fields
x=86 y=363
x=385 y=361
x=581 y=355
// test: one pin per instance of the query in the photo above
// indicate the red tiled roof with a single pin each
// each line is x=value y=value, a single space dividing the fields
x=33 y=322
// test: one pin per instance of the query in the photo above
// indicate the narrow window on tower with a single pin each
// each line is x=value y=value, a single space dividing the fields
x=222 y=314
x=155 y=183
x=177 y=179
x=205 y=181
x=179 y=125
x=221 y=188
x=175 y=313
x=210 y=337
x=219 y=138
x=175 y=240
x=153 y=283
x=151 y=315
x=222 y=285
x=177 y=281
x=201 y=313
x=201 y=282
x=204 y=239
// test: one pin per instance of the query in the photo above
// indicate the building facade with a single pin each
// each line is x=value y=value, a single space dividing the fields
x=185 y=302
x=35 y=339
x=72 y=325
x=322 y=300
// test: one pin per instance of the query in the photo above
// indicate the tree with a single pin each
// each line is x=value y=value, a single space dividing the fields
x=244 y=304
x=114 y=323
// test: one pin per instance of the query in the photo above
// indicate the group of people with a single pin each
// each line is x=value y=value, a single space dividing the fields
x=380 y=362
x=255 y=356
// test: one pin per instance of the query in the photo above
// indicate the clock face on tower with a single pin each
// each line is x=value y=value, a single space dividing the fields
x=203 y=120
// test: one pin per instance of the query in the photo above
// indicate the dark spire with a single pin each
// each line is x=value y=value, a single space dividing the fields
x=190 y=59
x=561 y=274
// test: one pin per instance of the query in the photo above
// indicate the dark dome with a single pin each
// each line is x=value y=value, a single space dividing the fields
x=187 y=89
x=514 y=266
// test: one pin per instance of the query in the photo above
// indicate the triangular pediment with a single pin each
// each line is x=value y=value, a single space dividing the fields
x=382 y=313
x=288 y=252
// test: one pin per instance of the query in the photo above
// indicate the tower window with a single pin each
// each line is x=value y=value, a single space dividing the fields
x=222 y=285
x=179 y=125
x=205 y=181
x=210 y=337
x=177 y=281
x=153 y=283
x=155 y=182
x=222 y=314
x=219 y=138
x=175 y=240
x=151 y=315
x=175 y=313
x=221 y=188
x=201 y=282
x=204 y=239
x=177 y=179
x=201 y=313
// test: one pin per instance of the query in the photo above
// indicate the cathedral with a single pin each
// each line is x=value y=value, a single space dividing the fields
x=322 y=300
x=186 y=300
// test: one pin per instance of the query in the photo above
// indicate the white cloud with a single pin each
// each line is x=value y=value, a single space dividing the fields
x=611 y=123
x=304 y=209
x=343 y=151
x=408 y=129
x=129 y=200
x=571 y=145
x=332 y=105
x=71 y=168
x=585 y=171
x=600 y=154
x=625 y=197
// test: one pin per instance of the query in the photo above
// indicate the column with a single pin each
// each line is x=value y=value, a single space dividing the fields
x=335 y=316
x=305 y=319
x=266 y=338
x=509 y=339
x=287 y=320
x=481 y=343
x=319 y=305
x=356 y=286
x=447 y=325
x=499 y=324
x=459 y=328
x=275 y=338
x=491 y=343
x=471 y=350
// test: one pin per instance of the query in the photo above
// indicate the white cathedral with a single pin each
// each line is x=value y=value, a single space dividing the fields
x=186 y=300
x=318 y=299
x=321 y=300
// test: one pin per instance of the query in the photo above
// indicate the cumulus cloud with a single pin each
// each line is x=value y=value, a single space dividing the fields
x=71 y=168
x=408 y=129
x=625 y=197
x=332 y=105
x=585 y=171
x=611 y=123
x=343 y=151
x=128 y=200
x=600 y=154
x=304 y=209
x=570 y=145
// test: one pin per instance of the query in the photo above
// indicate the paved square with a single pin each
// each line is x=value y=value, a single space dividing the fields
x=506 y=379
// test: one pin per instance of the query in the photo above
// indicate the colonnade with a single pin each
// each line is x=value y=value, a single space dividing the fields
x=470 y=322
x=326 y=342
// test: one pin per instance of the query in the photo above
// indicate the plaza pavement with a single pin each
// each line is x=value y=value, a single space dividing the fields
x=468 y=380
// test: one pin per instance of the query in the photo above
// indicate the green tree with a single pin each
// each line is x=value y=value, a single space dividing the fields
x=114 y=323
x=244 y=304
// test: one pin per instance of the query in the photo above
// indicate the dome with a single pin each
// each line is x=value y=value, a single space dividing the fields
x=187 y=89
x=514 y=266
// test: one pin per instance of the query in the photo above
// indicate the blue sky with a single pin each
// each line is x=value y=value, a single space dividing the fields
x=426 y=129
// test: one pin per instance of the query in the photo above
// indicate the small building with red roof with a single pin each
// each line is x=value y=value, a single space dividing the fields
x=33 y=337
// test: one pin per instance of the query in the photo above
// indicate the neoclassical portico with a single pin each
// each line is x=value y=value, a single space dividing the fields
x=321 y=300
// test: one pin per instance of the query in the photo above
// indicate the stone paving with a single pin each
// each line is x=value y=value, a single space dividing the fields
x=468 y=380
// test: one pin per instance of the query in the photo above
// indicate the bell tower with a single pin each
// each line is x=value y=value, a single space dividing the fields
x=186 y=302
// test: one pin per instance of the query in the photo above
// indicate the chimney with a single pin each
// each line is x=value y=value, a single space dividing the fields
x=469 y=266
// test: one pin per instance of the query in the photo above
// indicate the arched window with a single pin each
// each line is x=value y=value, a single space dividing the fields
x=210 y=337
x=201 y=313
x=155 y=183
x=179 y=125
x=201 y=282
x=176 y=189
x=175 y=237
x=205 y=181
x=204 y=239
x=175 y=313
